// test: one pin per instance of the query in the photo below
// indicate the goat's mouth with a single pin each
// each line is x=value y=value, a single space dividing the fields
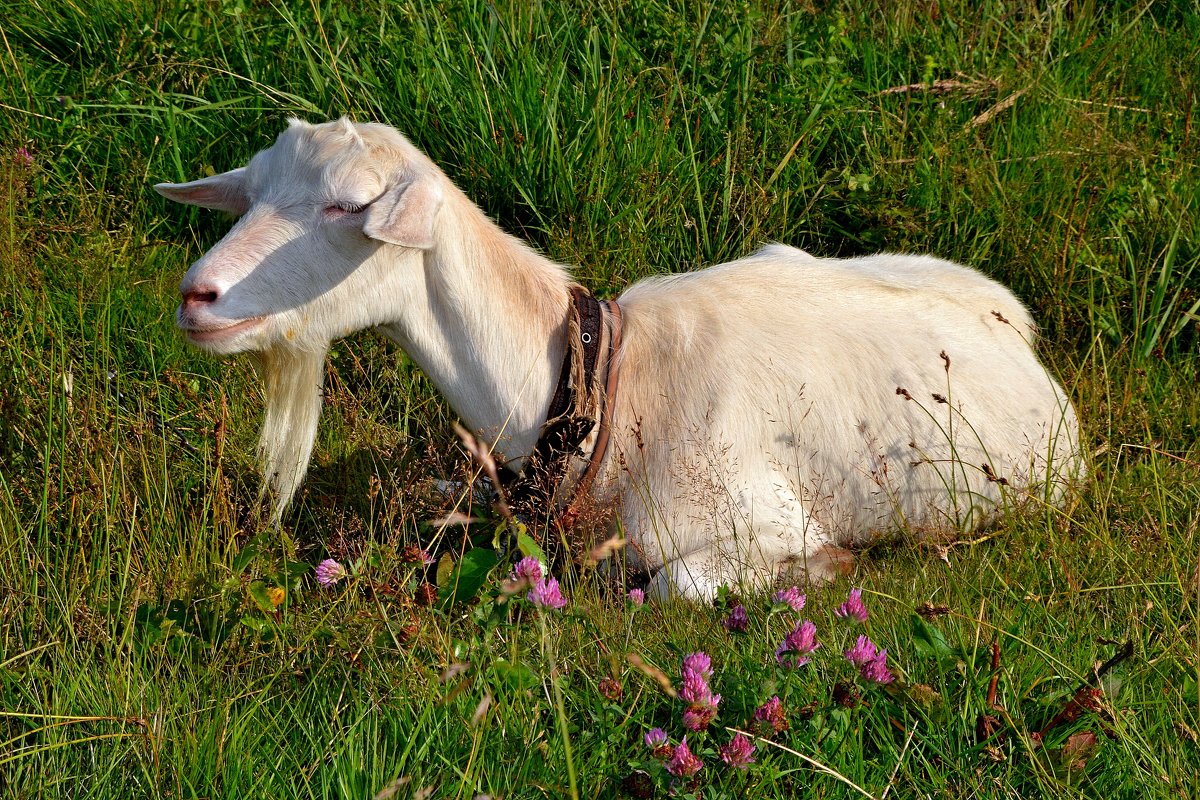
x=219 y=334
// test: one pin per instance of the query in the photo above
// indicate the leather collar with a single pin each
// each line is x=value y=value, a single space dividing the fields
x=552 y=481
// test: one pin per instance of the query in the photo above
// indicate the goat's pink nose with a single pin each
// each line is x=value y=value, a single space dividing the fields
x=199 y=295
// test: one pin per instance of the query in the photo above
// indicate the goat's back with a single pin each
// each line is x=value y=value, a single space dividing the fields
x=784 y=366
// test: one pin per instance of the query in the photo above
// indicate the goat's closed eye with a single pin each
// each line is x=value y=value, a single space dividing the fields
x=337 y=209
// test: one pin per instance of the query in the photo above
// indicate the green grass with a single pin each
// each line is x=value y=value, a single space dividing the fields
x=140 y=655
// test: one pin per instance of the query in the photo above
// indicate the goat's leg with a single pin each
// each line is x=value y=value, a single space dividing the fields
x=749 y=563
x=771 y=535
x=698 y=575
x=823 y=564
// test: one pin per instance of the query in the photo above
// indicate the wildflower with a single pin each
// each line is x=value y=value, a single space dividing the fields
x=863 y=652
x=772 y=711
x=876 y=670
x=769 y=717
x=426 y=594
x=798 y=644
x=737 y=621
x=853 y=608
x=870 y=660
x=699 y=716
x=655 y=738
x=695 y=689
x=412 y=554
x=24 y=156
x=330 y=572
x=636 y=596
x=846 y=695
x=610 y=688
x=546 y=593
x=739 y=753
x=638 y=784
x=683 y=764
x=699 y=663
x=527 y=570
x=406 y=632
x=276 y=595
x=702 y=703
x=790 y=597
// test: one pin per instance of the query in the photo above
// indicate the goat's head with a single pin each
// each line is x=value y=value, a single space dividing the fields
x=301 y=265
x=333 y=222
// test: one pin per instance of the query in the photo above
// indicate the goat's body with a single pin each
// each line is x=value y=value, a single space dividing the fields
x=758 y=418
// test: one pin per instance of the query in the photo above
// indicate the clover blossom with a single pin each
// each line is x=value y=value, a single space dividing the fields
x=655 y=738
x=863 y=652
x=738 y=620
x=739 y=753
x=702 y=703
x=683 y=763
x=870 y=660
x=414 y=554
x=695 y=689
x=330 y=572
x=636 y=596
x=770 y=718
x=699 y=717
x=790 y=597
x=798 y=645
x=528 y=569
x=876 y=670
x=546 y=593
x=611 y=689
x=853 y=608
x=699 y=663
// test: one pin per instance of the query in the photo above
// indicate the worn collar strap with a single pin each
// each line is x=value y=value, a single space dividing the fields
x=581 y=406
x=582 y=353
x=572 y=508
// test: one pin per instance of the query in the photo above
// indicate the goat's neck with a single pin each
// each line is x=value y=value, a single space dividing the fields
x=487 y=324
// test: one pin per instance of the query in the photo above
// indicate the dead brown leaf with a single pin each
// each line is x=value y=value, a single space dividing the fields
x=1080 y=747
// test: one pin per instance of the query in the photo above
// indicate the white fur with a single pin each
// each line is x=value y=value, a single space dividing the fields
x=758 y=418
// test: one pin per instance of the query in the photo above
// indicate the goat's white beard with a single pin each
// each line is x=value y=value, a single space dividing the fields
x=292 y=381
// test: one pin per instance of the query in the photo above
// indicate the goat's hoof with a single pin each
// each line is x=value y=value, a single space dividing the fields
x=833 y=561
x=824 y=564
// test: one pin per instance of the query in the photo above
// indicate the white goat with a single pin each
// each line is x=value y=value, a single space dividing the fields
x=771 y=410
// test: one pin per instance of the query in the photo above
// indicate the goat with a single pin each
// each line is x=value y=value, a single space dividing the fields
x=771 y=410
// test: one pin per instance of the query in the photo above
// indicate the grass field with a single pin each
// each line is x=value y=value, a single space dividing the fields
x=159 y=639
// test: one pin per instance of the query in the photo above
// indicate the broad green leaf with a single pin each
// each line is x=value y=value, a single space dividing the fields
x=929 y=641
x=294 y=570
x=514 y=675
x=528 y=546
x=468 y=577
x=258 y=592
x=445 y=570
x=248 y=553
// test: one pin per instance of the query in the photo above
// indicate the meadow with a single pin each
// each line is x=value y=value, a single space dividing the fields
x=159 y=638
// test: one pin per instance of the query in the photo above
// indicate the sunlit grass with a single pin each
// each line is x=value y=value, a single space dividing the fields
x=158 y=639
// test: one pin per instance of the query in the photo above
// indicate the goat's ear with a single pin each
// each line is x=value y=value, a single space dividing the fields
x=404 y=215
x=224 y=192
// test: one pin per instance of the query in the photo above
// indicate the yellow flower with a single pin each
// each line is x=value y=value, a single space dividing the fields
x=276 y=594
